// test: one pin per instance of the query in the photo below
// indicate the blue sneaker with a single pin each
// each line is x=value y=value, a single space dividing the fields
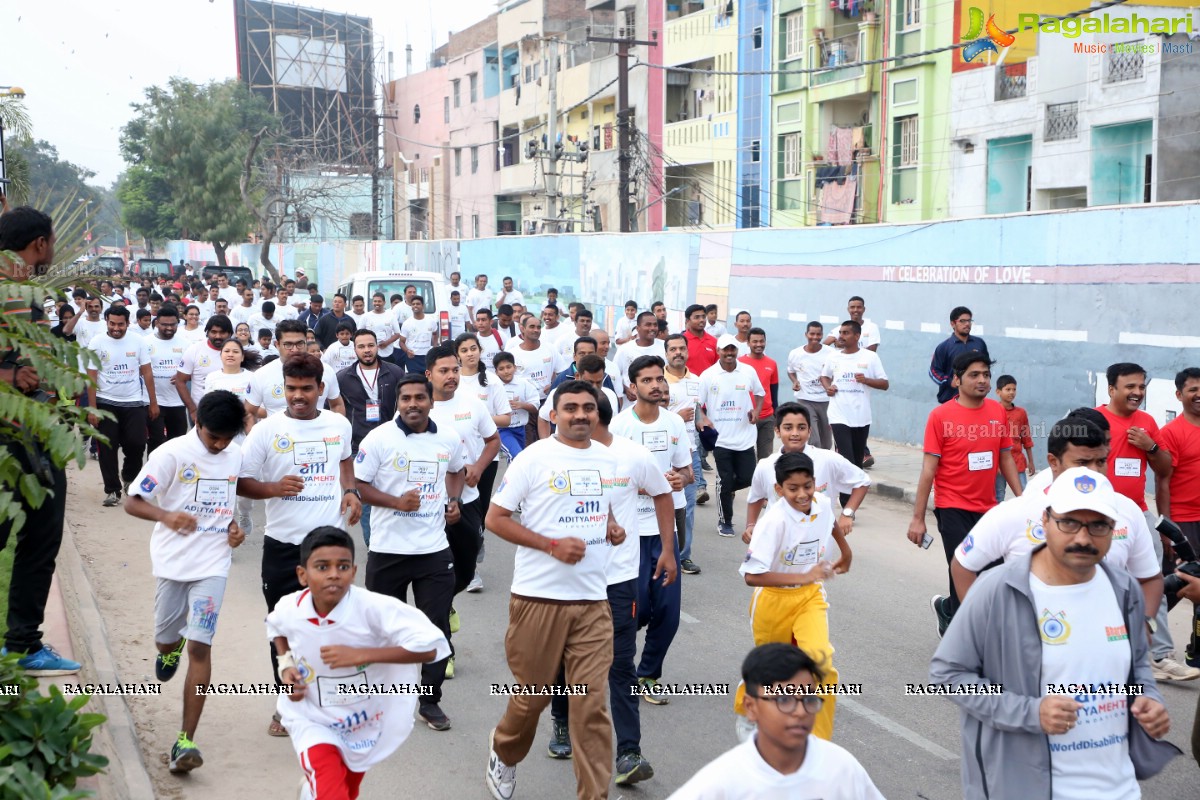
x=46 y=663
x=165 y=664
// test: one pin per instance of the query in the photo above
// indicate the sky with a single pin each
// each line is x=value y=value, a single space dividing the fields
x=81 y=64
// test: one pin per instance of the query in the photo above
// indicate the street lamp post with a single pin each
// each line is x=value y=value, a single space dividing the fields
x=15 y=92
x=87 y=222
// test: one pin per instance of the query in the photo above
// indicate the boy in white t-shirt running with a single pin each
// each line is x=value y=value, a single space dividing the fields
x=194 y=479
x=523 y=398
x=783 y=758
x=353 y=659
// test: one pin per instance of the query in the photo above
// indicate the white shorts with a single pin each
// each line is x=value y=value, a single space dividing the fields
x=187 y=609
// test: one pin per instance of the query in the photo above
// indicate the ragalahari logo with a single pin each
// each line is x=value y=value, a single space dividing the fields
x=984 y=37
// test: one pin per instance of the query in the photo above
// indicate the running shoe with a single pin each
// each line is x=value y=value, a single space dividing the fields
x=455 y=622
x=560 y=740
x=450 y=668
x=476 y=584
x=165 y=664
x=112 y=499
x=650 y=693
x=632 y=768
x=434 y=718
x=689 y=567
x=1168 y=669
x=943 y=621
x=701 y=497
x=726 y=530
x=185 y=757
x=45 y=663
x=501 y=778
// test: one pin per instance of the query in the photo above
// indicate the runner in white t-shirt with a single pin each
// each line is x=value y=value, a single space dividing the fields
x=411 y=471
x=383 y=323
x=200 y=359
x=537 y=362
x=664 y=435
x=352 y=658
x=480 y=297
x=465 y=413
x=563 y=539
x=457 y=315
x=300 y=462
x=805 y=365
x=523 y=399
x=850 y=376
x=194 y=479
x=267 y=394
x=166 y=357
x=491 y=341
x=644 y=343
x=418 y=334
x=782 y=759
x=340 y=354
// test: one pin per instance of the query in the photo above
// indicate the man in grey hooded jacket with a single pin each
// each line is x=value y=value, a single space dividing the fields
x=1033 y=626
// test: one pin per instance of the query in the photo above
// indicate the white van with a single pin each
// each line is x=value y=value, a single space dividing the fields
x=432 y=287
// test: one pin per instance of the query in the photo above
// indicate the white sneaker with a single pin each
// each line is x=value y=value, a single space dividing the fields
x=476 y=584
x=743 y=727
x=1168 y=669
x=501 y=778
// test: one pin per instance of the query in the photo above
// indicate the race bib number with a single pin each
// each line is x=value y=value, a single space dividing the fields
x=585 y=482
x=979 y=461
x=1128 y=468
x=422 y=471
x=804 y=554
x=693 y=389
x=654 y=441
x=331 y=695
x=310 y=453
x=212 y=490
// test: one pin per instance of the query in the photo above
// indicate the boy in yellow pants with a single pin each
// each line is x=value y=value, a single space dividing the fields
x=786 y=563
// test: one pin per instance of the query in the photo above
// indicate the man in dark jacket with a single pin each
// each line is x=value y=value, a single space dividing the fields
x=327 y=324
x=941 y=366
x=369 y=392
x=1047 y=641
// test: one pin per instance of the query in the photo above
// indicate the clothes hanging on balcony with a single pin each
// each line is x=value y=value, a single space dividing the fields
x=837 y=202
x=840 y=150
x=858 y=139
x=849 y=8
x=830 y=172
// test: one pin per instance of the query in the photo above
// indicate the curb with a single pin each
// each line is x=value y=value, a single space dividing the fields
x=895 y=491
x=126 y=777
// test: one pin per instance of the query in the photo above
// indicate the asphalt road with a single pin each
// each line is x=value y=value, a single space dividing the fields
x=880 y=623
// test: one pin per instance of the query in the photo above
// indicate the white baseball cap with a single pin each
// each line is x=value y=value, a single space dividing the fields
x=1078 y=489
x=727 y=340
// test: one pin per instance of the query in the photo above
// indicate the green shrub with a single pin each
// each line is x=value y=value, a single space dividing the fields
x=44 y=739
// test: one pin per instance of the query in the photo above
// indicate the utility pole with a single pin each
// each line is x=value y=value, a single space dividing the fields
x=551 y=144
x=624 y=139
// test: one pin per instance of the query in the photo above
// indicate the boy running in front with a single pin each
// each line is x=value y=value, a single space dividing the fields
x=353 y=659
x=786 y=563
x=194 y=479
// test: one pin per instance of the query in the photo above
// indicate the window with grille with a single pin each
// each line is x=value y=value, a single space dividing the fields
x=360 y=226
x=475 y=226
x=445 y=109
x=793 y=36
x=790 y=146
x=907 y=141
x=457 y=93
x=303 y=223
x=458 y=227
x=473 y=86
x=458 y=161
x=474 y=160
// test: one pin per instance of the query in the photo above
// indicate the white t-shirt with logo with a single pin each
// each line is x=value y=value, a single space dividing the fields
x=488 y=347
x=685 y=394
x=396 y=463
x=471 y=419
x=236 y=382
x=312 y=449
x=852 y=404
x=548 y=406
x=808 y=368
x=86 y=330
x=401 y=313
x=183 y=476
x=624 y=328
x=784 y=540
x=384 y=327
x=870 y=334
x=638 y=471
x=536 y=366
x=266 y=388
x=241 y=313
x=477 y=299
x=1014 y=527
x=832 y=475
x=1085 y=641
x=561 y=492
x=829 y=772
x=510 y=298
x=418 y=334
x=519 y=390
x=493 y=396
x=339 y=356
x=119 y=377
x=166 y=357
x=457 y=315
x=728 y=399
x=630 y=351
x=365 y=728
x=199 y=360
x=667 y=441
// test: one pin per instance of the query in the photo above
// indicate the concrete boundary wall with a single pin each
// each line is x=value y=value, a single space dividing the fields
x=1057 y=296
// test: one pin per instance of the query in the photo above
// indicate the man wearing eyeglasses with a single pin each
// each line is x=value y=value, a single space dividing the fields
x=266 y=387
x=960 y=341
x=783 y=758
x=1079 y=709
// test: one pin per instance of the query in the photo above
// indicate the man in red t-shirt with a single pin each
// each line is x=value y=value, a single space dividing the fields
x=966 y=443
x=768 y=376
x=1179 y=496
x=1134 y=436
x=702 y=347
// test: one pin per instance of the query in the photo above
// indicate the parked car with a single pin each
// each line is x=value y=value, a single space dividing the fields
x=433 y=288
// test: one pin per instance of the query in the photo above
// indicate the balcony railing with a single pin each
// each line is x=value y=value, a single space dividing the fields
x=1124 y=65
x=840 y=57
x=1062 y=121
x=1010 y=81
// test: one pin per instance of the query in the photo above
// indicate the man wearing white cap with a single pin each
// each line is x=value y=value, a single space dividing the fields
x=733 y=397
x=1067 y=643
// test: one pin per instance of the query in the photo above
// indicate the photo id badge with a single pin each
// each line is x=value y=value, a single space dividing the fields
x=372 y=412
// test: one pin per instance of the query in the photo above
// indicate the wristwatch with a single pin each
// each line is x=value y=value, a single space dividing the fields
x=848 y=512
x=1153 y=449
x=450 y=500
x=353 y=492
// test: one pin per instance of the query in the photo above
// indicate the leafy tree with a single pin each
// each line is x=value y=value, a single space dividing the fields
x=15 y=123
x=193 y=138
x=50 y=178
x=146 y=205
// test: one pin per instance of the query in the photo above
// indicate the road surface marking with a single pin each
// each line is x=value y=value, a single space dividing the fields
x=895 y=728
